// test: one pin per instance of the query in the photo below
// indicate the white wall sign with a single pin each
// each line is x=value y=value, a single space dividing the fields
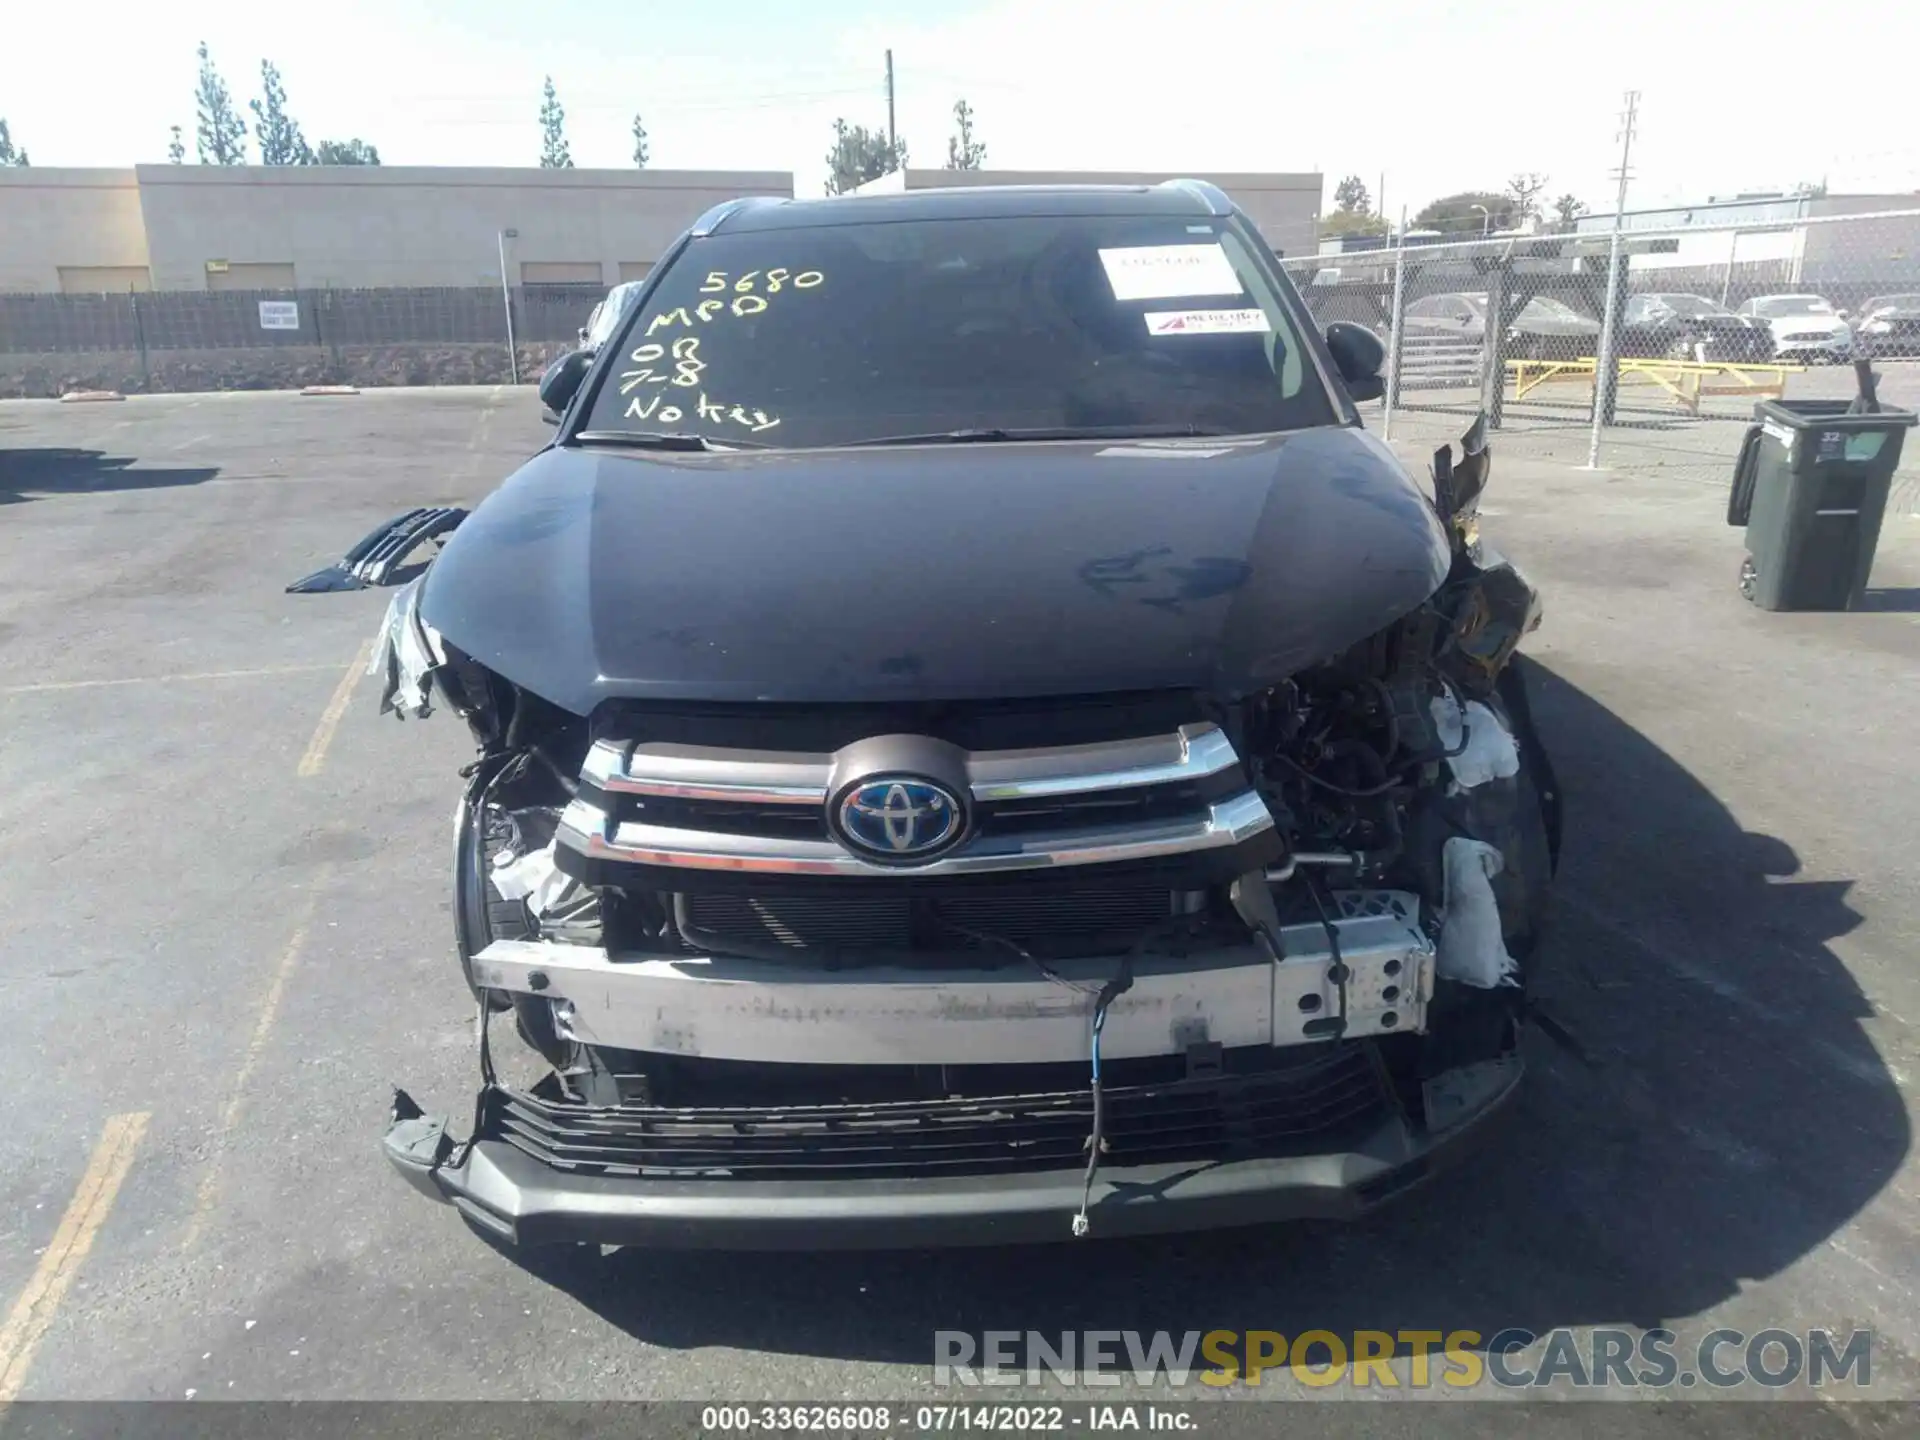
x=279 y=314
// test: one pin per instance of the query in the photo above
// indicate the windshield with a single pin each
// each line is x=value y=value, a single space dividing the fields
x=1791 y=305
x=1692 y=306
x=839 y=334
x=1545 y=307
x=1890 y=302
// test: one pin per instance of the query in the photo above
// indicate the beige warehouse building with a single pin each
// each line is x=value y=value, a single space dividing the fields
x=204 y=227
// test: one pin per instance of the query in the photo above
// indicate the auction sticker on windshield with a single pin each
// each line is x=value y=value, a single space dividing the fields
x=1163 y=272
x=1208 y=322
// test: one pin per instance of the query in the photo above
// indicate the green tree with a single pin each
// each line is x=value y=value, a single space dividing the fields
x=1460 y=214
x=1567 y=209
x=1353 y=211
x=554 y=154
x=1352 y=222
x=176 y=147
x=9 y=153
x=860 y=155
x=344 y=152
x=640 y=154
x=1350 y=196
x=220 y=135
x=1524 y=191
x=281 y=142
x=963 y=151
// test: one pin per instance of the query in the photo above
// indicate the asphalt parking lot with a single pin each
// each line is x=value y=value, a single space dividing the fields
x=227 y=939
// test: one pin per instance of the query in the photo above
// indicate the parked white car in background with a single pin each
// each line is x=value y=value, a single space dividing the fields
x=608 y=314
x=1804 y=327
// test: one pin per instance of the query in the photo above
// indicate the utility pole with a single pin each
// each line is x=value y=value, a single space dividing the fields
x=506 y=298
x=1605 y=381
x=893 y=144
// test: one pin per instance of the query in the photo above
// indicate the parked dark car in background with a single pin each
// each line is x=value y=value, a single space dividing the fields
x=1805 y=328
x=1888 y=325
x=1691 y=327
x=1545 y=328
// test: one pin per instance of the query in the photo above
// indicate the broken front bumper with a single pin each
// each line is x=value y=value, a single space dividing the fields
x=1291 y=1116
x=520 y=1200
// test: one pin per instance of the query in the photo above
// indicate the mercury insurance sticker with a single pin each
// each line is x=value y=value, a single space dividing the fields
x=1164 y=272
x=1208 y=322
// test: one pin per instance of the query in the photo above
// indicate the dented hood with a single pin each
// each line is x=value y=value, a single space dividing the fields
x=943 y=572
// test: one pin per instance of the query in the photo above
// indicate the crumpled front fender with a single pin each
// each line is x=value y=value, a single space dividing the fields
x=406 y=652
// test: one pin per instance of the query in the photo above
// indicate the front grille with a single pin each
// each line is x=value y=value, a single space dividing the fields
x=702 y=810
x=1051 y=918
x=1327 y=1096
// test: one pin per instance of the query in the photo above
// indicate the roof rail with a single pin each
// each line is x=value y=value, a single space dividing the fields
x=712 y=220
x=1205 y=191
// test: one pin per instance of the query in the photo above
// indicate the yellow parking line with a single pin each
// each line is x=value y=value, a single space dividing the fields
x=33 y=1312
x=256 y=1045
x=316 y=755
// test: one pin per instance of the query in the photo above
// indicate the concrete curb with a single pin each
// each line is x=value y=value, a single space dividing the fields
x=87 y=395
x=330 y=390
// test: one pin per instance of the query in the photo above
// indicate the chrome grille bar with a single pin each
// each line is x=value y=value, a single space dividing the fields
x=771 y=777
x=587 y=829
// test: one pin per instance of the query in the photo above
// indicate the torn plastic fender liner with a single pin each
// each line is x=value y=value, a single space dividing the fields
x=378 y=555
x=405 y=655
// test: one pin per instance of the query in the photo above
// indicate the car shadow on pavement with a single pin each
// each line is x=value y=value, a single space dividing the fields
x=37 y=473
x=1724 y=1115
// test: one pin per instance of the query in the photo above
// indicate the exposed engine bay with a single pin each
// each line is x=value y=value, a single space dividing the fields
x=1177 y=928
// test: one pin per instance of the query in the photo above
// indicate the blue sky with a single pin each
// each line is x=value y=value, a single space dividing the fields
x=1399 y=87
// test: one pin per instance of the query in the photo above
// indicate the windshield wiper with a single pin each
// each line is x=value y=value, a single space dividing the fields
x=661 y=440
x=1052 y=432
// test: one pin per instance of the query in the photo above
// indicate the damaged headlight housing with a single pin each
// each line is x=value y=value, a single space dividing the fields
x=406 y=652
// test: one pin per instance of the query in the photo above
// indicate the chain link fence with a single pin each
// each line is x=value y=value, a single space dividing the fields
x=144 y=342
x=1643 y=350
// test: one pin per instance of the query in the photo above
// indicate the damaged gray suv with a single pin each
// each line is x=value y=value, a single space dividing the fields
x=977 y=743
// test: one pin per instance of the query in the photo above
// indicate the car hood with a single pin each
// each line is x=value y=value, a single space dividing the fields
x=945 y=572
x=1790 y=323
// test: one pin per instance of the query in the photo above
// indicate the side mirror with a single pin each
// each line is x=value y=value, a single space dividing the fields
x=1358 y=356
x=562 y=380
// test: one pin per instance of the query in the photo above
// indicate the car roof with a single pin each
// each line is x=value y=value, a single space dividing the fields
x=1193 y=198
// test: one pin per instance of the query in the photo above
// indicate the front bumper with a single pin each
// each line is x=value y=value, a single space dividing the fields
x=520 y=1201
x=1838 y=344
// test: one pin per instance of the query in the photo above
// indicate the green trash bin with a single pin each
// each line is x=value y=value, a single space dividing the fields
x=1811 y=487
